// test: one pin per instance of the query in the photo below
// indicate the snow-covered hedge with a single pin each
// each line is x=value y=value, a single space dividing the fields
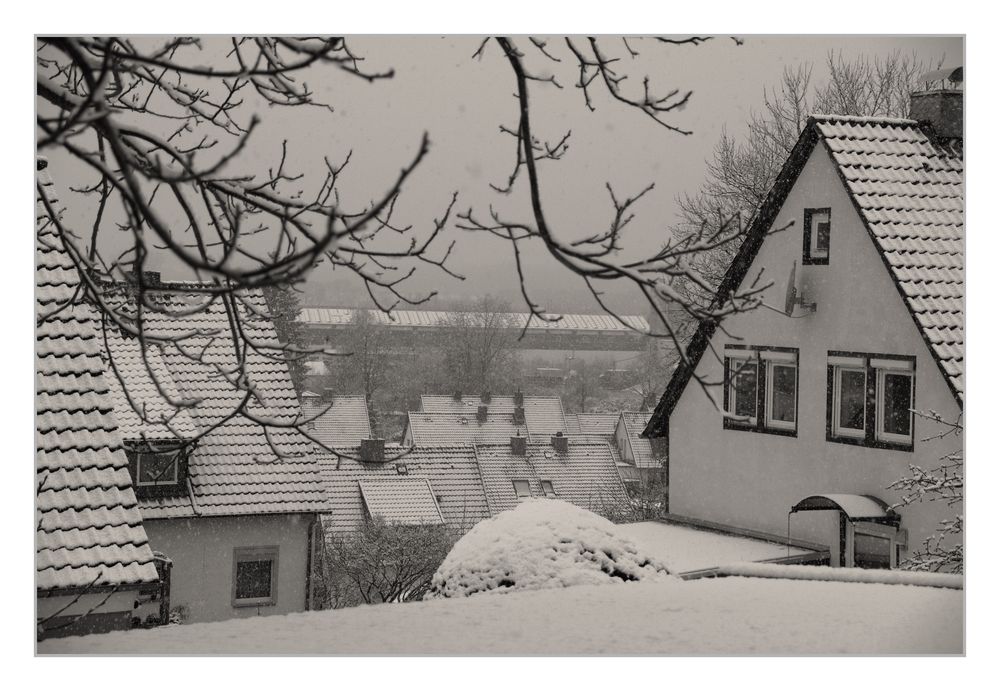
x=543 y=543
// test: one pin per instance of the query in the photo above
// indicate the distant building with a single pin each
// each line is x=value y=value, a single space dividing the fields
x=585 y=336
x=818 y=406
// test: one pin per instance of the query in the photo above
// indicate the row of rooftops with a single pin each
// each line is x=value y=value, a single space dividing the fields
x=420 y=319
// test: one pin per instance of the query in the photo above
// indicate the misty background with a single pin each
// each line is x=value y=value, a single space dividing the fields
x=461 y=102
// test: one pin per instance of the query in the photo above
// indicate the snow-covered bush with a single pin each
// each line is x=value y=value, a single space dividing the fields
x=543 y=543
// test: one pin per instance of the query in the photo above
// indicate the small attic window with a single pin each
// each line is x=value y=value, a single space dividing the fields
x=548 y=488
x=816 y=237
x=522 y=488
x=158 y=469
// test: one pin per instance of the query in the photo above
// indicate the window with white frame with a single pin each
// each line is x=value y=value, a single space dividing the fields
x=158 y=469
x=816 y=236
x=255 y=576
x=871 y=399
x=761 y=391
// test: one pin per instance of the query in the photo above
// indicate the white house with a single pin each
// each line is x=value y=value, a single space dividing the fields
x=818 y=408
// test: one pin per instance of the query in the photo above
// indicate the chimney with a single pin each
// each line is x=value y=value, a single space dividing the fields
x=560 y=443
x=940 y=103
x=518 y=446
x=486 y=396
x=373 y=450
x=457 y=396
x=481 y=414
x=518 y=415
x=519 y=399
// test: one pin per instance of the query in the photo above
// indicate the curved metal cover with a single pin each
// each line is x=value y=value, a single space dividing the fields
x=854 y=506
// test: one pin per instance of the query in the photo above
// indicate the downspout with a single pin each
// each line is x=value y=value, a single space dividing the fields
x=310 y=561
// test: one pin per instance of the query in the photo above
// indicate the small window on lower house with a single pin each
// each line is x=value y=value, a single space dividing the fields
x=522 y=488
x=548 y=488
x=255 y=576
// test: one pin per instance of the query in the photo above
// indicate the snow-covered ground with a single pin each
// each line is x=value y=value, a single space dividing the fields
x=727 y=615
x=688 y=549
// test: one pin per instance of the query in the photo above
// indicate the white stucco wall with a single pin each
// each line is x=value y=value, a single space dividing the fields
x=202 y=553
x=750 y=479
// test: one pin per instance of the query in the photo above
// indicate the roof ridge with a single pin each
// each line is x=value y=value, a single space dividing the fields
x=858 y=119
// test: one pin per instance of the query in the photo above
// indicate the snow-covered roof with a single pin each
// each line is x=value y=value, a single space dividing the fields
x=233 y=469
x=585 y=476
x=601 y=424
x=642 y=450
x=335 y=316
x=449 y=429
x=402 y=500
x=89 y=529
x=909 y=190
x=341 y=421
x=543 y=415
x=451 y=471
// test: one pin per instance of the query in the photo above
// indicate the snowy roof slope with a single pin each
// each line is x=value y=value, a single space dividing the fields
x=405 y=500
x=449 y=429
x=910 y=192
x=343 y=421
x=543 y=414
x=89 y=528
x=233 y=469
x=143 y=412
x=602 y=424
x=641 y=448
x=452 y=472
x=585 y=476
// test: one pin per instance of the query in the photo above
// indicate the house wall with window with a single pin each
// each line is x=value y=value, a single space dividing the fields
x=749 y=473
x=206 y=551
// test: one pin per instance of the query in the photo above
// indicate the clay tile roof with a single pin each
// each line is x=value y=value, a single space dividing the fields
x=450 y=429
x=585 y=476
x=452 y=473
x=910 y=192
x=403 y=500
x=543 y=414
x=342 y=421
x=233 y=469
x=642 y=450
x=89 y=526
x=601 y=424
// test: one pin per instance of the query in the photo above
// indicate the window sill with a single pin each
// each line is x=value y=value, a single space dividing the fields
x=870 y=443
x=257 y=602
x=743 y=427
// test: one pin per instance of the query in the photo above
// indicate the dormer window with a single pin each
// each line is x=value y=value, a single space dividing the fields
x=158 y=469
x=816 y=237
x=549 y=490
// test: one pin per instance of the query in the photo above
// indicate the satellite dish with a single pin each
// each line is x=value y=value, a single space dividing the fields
x=792 y=296
x=790 y=292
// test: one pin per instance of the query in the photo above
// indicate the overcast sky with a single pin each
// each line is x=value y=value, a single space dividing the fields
x=461 y=102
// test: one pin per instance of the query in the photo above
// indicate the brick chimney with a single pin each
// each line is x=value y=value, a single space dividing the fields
x=481 y=414
x=518 y=415
x=372 y=450
x=518 y=446
x=560 y=443
x=940 y=102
